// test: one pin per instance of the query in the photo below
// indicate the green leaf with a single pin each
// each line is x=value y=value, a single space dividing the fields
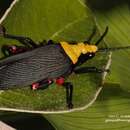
x=109 y=112
x=59 y=21
x=115 y=15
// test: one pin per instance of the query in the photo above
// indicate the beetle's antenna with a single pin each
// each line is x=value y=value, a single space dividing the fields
x=113 y=49
x=91 y=36
x=103 y=35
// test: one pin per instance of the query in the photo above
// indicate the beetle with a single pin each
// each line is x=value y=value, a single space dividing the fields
x=40 y=65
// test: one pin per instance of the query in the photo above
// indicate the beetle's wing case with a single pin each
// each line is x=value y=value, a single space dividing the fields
x=17 y=57
x=23 y=69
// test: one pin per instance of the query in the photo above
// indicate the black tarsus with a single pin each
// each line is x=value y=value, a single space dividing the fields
x=103 y=35
x=69 y=94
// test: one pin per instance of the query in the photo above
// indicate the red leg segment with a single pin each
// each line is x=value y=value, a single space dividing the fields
x=43 y=84
x=13 y=49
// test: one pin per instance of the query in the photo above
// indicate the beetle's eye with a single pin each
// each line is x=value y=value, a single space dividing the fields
x=90 y=55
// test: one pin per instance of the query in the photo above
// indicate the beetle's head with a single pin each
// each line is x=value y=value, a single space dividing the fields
x=74 y=51
x=90 y=55
x=84 y=49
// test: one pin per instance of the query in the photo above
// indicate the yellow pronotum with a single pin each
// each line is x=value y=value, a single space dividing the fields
x=74 y=51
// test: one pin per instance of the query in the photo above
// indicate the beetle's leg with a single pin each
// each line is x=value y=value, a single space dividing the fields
x=6 y=50
x=69 y=94
x=50 y=42
x=43 y=84
x=69 y=90
x=44 y=42
x=24 y=40
x=90 y=70
x=9 y=50
x=88 y=41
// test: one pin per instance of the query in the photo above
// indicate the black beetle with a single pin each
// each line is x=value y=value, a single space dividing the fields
x=39 y=65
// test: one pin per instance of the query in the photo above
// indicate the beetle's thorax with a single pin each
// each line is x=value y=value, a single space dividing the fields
x=74 y=51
